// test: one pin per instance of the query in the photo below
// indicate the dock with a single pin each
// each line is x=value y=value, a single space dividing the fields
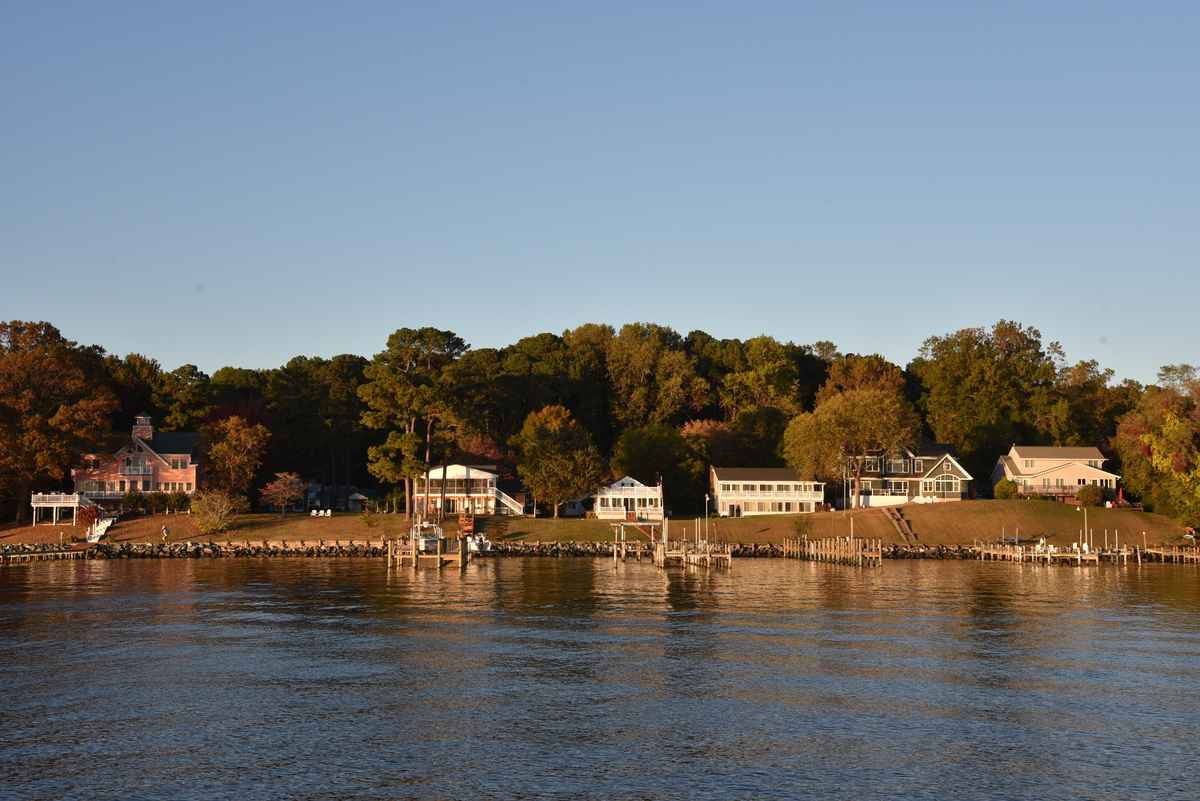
x=400 y=551
x=1049 y=554
x=836 y=550
x=691 y=552
x=77 y=551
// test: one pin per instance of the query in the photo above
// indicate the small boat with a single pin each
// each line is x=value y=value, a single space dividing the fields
x=425 y=536
x=478 y=543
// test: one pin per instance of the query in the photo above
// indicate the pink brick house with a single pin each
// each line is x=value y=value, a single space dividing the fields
x=150 y=461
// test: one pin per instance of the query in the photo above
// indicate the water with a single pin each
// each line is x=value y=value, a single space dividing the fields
x=569 y=679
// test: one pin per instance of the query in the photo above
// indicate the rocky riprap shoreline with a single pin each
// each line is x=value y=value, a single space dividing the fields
x=200 y=550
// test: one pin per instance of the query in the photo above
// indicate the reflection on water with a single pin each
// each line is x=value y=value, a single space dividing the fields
x=572 y=678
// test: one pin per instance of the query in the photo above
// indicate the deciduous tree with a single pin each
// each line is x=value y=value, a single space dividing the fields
x=845 y=431
x=286 y=490
x=55 y=405
x=234 y=449
x=556 y=457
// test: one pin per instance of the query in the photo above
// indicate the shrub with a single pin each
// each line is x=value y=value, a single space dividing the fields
x=1089 y=495
x=178 y=501
x=369 y=517
x=87 y=516
x=156 y=501
x=1006 y=490
x=802 y=526
x=133 y=501
x=215 y=511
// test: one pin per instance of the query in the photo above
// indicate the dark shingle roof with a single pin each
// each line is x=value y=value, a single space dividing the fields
x=173 y=443
x=755 y=474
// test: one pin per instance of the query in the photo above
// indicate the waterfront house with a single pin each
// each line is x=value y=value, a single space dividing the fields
x=926 y=473
x=457 y=488
x=744 y=491
x=152 y=460
x=627 y=496
x=1055 y=472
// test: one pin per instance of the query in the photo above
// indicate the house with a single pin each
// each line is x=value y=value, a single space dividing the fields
x=150 y=461
x=1055 y=472
x=743 y=491
x=457 y=488
x=628 y=496
x=339 y=498
x=926 y=473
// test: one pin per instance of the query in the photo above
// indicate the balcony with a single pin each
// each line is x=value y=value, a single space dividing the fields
x=136 y=471
x=1062 y=490
x=774 y=495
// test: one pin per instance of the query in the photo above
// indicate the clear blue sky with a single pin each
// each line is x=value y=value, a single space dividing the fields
x=240 y=183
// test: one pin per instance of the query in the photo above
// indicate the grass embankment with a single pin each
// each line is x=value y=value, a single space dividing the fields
x=933 y=524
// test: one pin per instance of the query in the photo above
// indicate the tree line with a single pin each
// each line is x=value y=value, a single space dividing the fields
x=563 y=410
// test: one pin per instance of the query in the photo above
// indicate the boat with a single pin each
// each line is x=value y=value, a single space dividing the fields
x=478 y=543
x=425 y=536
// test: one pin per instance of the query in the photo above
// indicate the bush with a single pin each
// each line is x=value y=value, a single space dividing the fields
x=1089 y=495
x=178 y=501
x=156 y=501
x=216 y=512
x=802 y=526
x=369 y=517
x=1006 y=490
x=133 y=501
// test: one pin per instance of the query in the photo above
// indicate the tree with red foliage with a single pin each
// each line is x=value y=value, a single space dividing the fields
x=285 y=490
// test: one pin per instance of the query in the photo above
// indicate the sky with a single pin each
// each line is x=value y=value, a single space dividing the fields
x=241 y=183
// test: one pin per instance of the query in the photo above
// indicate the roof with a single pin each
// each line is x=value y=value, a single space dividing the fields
x=927 y=448
x=1054 y=452
x=755 y=474
x=178 y=443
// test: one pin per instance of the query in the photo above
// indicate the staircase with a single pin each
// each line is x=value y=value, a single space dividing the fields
x=466 y=524
x=510 y=503
x=900 y=523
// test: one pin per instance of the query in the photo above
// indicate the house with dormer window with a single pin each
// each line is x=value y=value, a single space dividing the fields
x=1055 y=472
x=150 y=461
x=927 y=473
x=628 y=497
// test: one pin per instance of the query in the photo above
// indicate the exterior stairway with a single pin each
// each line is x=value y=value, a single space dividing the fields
x=900 y=523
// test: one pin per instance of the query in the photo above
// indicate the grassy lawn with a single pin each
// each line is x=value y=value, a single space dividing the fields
x=934 y=524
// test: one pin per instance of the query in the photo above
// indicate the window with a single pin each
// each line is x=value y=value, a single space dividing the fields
x=918 y=466
x=724 y=507
x=1094 y=463
x=121 y=485
x=872 y=466
x=189 y=486
x=145 y=485
x=1029 y=462
x=764 y=487
x=788 y=506
x=782 y=488
x=1045 y=482
x=724 y=488
x=1058 y=482
x=896 y=465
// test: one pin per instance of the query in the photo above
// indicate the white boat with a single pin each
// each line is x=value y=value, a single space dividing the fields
x=478 y=543
x=425 y=537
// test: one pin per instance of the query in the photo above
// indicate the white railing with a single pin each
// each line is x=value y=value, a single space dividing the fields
x=46 y=499
x=643 y=492
x=805 y=495
x=513 y=505
x=136 y=471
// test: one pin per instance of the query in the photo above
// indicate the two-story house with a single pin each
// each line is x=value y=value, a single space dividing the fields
x=627 y=496
x=151 y=460
x=458 y=488
x=926 y=473
x=1055 y=472
x=744 y=491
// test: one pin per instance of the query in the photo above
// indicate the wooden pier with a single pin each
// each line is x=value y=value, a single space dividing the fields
x=77 y=551
x=690 y=552
x=837 y=550
x=400 y=551
x=1049 y=554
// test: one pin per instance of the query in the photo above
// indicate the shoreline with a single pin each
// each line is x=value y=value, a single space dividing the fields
x=377 y=549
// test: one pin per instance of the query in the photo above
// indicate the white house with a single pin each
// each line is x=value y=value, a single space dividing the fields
x=743 y=491
x=464 y=488
x=627 y=496
x=1056 y=472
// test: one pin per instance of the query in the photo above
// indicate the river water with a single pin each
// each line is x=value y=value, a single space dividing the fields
x=575 y=679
